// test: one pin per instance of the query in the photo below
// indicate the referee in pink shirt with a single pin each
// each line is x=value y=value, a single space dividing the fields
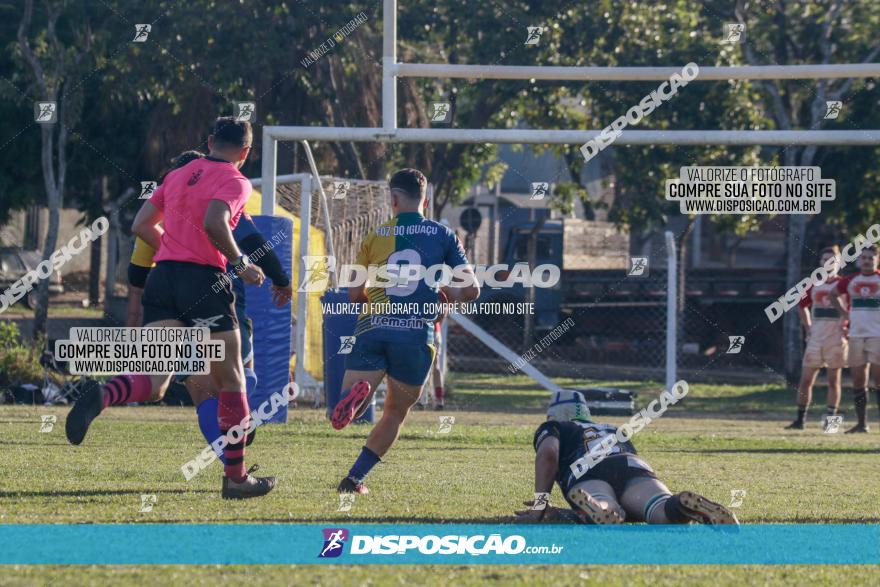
x=189 y=221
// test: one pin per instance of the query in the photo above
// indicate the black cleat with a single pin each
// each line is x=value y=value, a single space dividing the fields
x=250 y=487
x=439 y=407
x=86 y=409
x=250 y=438
x=858 y=429
x=796 y=425
x=591 y=511
x=701 y=510
x=349 y=485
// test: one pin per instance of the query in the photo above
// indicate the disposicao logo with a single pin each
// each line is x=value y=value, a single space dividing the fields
x=334 y=540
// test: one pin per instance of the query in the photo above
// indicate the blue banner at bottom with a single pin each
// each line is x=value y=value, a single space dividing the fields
x=250 y=544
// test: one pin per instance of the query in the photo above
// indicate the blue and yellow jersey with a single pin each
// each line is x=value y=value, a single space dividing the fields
x=398 y=313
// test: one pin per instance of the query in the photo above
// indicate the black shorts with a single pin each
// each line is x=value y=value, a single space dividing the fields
x=616 y=470
x=197 y=295
x=137 y=275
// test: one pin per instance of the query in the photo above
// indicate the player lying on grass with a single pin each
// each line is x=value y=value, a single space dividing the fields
x=621 y=487
x=189 y=220
x=825 y=332
x=398 y=346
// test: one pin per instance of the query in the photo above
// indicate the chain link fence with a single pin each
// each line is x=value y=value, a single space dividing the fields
x=612 y=331
x=618 y=328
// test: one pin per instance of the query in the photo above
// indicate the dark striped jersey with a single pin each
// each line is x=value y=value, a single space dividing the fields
x=576 y=439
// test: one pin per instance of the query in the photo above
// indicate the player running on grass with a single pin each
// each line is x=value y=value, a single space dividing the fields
x=620 y=487
x=826 y=341
x=256 y=247
x=189 y=220
x=863 y=290
x=399 y=345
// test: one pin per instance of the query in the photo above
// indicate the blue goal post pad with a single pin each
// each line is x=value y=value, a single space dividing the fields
x=272 y=326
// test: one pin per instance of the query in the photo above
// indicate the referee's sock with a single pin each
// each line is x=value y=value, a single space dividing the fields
x=127 y=389
x=232 y=412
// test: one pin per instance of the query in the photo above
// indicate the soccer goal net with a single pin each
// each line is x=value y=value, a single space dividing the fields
x=335 y=222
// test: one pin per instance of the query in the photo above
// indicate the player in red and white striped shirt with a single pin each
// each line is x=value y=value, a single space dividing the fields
x=826 y=342
x=863 y=290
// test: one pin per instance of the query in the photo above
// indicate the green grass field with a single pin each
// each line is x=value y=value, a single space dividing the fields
x=720 y=438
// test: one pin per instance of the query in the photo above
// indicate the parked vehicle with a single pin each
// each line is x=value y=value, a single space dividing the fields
x=15 y=263
x=625 y=317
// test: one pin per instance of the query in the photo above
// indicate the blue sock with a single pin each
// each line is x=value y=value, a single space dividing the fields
x=208 y=423
x=366 y=461
x=250 y=381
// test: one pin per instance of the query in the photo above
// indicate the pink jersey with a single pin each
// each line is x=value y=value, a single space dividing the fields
x=827 y=325
x=864 y=296
x=184 y=196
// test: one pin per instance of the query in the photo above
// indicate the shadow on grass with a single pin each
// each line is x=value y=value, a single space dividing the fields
x=773 y=400
x=769 y=399
x=800 y=520
x=781 y=451
x=367 y=520
x=95 y=492
x=515 y=403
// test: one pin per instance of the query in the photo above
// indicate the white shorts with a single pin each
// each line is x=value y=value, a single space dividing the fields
x=864 y=349
x=831 y=354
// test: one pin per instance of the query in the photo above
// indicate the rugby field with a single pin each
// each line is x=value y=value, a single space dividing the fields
x=722 y=438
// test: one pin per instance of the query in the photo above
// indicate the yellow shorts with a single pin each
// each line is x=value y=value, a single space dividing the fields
x=831 y=354
x=864 y=349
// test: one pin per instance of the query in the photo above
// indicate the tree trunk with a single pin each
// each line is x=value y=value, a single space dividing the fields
x=53 y=157
x=53 y=200
x=95 y=273
x=797 y=232
x=112 y=261
x=95 y=253
x=114 y=235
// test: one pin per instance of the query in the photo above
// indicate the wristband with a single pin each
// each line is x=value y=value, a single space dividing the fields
x=541 y=501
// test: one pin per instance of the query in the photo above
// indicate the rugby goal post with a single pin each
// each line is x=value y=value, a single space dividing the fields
x=323 y=226
x=390 y=133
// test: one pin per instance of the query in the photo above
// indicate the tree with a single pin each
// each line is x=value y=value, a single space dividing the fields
x=637 y=35
x=51 y=65
x=822 y=31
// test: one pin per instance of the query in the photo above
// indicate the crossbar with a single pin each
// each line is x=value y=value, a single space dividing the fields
x=633 y=74
x=573 y=137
